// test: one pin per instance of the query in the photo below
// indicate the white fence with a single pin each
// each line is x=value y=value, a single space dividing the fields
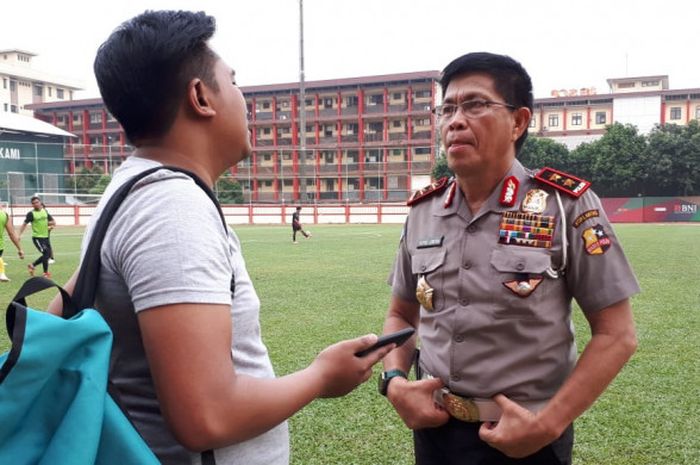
x=79 y=215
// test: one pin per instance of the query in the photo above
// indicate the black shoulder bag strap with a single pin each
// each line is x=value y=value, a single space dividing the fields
x=86 y=285
x=83 y=295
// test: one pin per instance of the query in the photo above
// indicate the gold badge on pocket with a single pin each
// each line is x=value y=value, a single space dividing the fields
x=424 y=294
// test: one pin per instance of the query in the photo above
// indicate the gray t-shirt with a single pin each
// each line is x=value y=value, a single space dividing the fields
x=167 y=245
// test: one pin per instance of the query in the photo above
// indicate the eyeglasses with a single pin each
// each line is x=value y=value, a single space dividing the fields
x=470 y=108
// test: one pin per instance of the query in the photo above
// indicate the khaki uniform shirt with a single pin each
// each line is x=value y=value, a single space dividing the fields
x=482 y=337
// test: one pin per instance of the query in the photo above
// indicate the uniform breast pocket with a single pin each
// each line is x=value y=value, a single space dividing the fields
x=522 y=282
x=430 y=266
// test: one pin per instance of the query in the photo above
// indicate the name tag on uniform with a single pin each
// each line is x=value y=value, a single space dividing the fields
x=430 y=242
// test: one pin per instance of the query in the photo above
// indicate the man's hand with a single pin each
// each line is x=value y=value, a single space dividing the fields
x=518 y=433
x=341 y=371
x=413 y=401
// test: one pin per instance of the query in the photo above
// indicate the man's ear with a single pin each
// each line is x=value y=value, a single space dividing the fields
x=198 y=98
x=522 y=117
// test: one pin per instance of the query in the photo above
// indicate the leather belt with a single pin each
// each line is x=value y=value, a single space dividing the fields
x=473 y=409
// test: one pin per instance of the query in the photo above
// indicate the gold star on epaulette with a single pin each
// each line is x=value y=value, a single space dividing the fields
x=428 y=191
x=564 y=182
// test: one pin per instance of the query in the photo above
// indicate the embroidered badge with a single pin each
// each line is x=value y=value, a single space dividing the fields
x=523 y=288
x=535 y=201
x=596 y=241
x=526 y=229
x=587 y=215
x=509 y=191
x=430 y=242
x=562 y=181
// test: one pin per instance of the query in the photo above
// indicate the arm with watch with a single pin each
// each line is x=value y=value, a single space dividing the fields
x=412 y=400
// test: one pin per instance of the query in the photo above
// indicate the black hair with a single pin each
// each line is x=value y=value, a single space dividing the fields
x=143 y=68
x=510 y=79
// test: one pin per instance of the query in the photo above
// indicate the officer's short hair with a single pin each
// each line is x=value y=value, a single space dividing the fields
x=510 y=79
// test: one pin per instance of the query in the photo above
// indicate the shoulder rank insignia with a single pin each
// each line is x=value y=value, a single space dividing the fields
x=428 y=191
x=572 y=185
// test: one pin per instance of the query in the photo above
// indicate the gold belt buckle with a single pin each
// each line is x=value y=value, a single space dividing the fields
x=460 y=407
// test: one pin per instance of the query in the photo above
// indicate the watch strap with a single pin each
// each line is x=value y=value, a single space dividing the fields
x=387 y=376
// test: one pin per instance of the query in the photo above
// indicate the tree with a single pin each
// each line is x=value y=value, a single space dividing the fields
x=538 y=152
x=440 y=168
x=615 y=162
x=673 y=160
x=85 y=180
x=229 y=190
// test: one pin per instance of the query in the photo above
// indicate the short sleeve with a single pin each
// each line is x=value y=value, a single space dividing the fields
x=401 y=279
x=598 y=273
x=170 y=246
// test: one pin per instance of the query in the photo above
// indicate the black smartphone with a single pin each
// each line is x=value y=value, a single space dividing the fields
x=398 y=338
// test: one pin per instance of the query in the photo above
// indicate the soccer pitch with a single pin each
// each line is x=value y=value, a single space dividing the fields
x=333 y=286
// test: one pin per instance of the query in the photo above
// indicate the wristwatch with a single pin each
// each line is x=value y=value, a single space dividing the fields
x=387 y=376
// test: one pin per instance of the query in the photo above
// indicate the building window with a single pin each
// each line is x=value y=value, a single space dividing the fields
x=553 y=121
x=376 y=99
x=675 y=113
x=59 y=93
x=600 y=117
x=576 y=119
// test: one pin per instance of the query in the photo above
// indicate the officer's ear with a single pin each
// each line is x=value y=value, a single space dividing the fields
x=521 y=121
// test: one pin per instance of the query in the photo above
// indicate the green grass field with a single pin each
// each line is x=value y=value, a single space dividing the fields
x=332 y=287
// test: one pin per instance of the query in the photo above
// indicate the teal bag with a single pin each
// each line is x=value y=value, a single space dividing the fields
x=54 y=404
x=57 y=406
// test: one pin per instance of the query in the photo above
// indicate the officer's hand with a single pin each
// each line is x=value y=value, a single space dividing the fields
x=518 y=433
x=341 y=371
x=413 y=401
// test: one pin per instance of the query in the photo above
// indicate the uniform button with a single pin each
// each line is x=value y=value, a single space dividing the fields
x=455 y=377
x=471 y=229
x=467 y=265
x=520 y=266
x=459 y=338
x=464 y=302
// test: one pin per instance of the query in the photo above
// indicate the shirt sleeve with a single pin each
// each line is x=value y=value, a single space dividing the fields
x=401 y=278
x=172 y=247
x=598 y=274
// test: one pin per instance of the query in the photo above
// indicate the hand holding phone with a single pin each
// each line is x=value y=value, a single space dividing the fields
x=398 y=338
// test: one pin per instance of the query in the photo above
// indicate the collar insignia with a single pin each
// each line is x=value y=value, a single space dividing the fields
x=509 y=191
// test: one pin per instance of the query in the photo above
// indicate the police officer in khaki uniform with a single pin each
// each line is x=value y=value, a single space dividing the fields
x=487 y=268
